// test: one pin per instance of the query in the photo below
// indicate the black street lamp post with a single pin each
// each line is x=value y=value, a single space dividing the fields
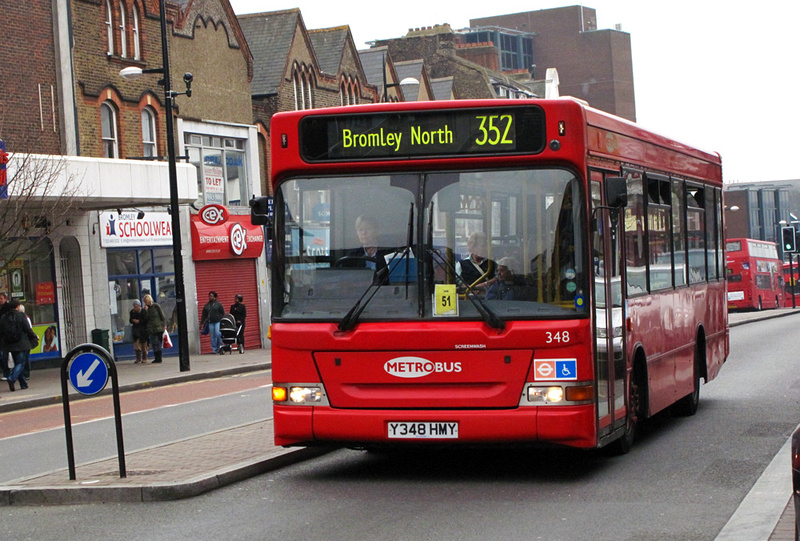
x=177 y=255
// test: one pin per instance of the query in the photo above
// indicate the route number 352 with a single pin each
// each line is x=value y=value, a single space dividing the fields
x=494 y=130
x=562 y=337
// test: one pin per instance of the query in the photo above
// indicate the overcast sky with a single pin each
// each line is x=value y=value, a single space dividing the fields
x=711 y=73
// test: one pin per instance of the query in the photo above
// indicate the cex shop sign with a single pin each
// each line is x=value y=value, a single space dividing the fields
x=225 y=237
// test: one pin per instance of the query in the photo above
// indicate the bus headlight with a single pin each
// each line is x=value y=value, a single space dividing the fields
x=565 y=395
x=545 y=395
x=300 y=394
x=305 y=395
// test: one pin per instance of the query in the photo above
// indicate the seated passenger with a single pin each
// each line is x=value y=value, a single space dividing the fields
x=507 y=286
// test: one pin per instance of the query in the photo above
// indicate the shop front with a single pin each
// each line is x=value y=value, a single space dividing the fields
x=30 y=278
x=225 y=249
x=138 y=248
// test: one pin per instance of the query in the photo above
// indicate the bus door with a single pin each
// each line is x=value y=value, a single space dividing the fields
x=608 y=311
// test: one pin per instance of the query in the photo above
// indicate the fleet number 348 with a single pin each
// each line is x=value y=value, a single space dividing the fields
x=561 y=337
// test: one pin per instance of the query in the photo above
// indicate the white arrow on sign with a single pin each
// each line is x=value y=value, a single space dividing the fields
x=83 y=377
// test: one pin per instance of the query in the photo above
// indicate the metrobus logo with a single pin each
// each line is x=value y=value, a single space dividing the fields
x=417 y=367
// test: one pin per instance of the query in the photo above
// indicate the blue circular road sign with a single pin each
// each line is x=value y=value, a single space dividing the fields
x=88 y=373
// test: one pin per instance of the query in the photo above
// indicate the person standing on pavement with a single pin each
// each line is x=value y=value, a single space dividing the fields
x=3 y=351
x=213 y=312
x=19 y=339
x=138 y=320
x=239 y=313
x=26 y=372
x=156 y=325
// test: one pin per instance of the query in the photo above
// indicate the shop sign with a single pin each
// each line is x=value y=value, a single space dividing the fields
x=17 y=284
x=236 y=238
x=120 y=230
x=45 y=293
x=214 y=184
x=213 y=214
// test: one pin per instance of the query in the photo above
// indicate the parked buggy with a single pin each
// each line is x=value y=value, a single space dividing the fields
x=230 y=334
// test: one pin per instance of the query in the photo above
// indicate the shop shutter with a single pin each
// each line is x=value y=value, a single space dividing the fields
x=228 y=278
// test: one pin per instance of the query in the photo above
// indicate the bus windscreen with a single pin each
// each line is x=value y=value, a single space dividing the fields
x=389 y=135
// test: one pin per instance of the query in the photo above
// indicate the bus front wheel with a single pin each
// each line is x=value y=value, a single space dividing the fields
x=635 y=393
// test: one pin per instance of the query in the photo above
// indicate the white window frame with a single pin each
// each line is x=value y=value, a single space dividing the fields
x=149 y=148
x=123 y=48
x=137 y=46
x=109 y=28
x=108 y=114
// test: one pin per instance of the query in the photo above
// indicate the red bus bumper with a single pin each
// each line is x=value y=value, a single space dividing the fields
x=574 y=426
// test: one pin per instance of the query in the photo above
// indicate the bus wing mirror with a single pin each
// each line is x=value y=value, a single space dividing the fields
x=260 y=212
x=616 y=192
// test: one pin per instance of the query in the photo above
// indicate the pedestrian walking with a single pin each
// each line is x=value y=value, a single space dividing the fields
x=4 y=355
x=138 y=320
x=19 y=340
x=156 y=325
x=26 y=372
x=239 y=313
x=213 y=312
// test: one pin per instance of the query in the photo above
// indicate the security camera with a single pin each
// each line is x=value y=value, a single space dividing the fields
x=188 y=78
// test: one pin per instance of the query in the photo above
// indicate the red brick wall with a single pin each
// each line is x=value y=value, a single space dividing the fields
x=28 y=122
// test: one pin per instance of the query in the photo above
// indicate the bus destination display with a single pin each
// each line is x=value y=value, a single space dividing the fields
x=519 y=130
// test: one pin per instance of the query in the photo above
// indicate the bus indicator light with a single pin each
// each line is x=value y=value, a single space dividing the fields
x=279 y=394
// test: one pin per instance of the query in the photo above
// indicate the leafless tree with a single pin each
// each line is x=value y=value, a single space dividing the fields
x=41 y=195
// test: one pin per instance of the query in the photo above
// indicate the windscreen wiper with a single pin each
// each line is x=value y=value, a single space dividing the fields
x=351 y=318
x=488 y=315
x=381 y=277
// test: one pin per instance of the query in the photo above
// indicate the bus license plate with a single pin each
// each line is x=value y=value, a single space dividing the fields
x=423 y=430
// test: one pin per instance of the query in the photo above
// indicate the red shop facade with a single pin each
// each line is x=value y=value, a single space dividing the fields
x=225 y=250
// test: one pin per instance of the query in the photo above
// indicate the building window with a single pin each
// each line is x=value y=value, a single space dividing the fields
x=221 y=166
x=108 y=125
x=149 y=133
x=29 y=271
x=348 y=91
x=123 y=47
x=302 y=82
x=137 y=47
x=109 y=28
x=132 y=274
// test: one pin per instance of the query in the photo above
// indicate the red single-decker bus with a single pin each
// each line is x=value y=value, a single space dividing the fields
x=488 y=272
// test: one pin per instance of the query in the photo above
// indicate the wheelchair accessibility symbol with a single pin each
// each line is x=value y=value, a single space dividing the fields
x=555 y=369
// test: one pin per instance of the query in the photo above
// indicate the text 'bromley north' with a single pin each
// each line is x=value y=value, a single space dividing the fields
x=382 y=138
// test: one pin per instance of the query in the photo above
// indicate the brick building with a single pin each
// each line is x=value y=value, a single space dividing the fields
x=109 y=134
x=439 y=48
x=295 y=68
x=593 y=65
x=31 y=118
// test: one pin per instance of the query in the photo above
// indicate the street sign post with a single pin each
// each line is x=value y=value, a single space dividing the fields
x=88 y=367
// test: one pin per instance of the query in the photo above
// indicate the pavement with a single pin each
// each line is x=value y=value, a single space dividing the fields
x=199 y=464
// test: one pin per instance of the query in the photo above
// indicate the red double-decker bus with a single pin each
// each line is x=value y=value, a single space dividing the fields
x=482 y=272
x=790 y=284
x=755 y=275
